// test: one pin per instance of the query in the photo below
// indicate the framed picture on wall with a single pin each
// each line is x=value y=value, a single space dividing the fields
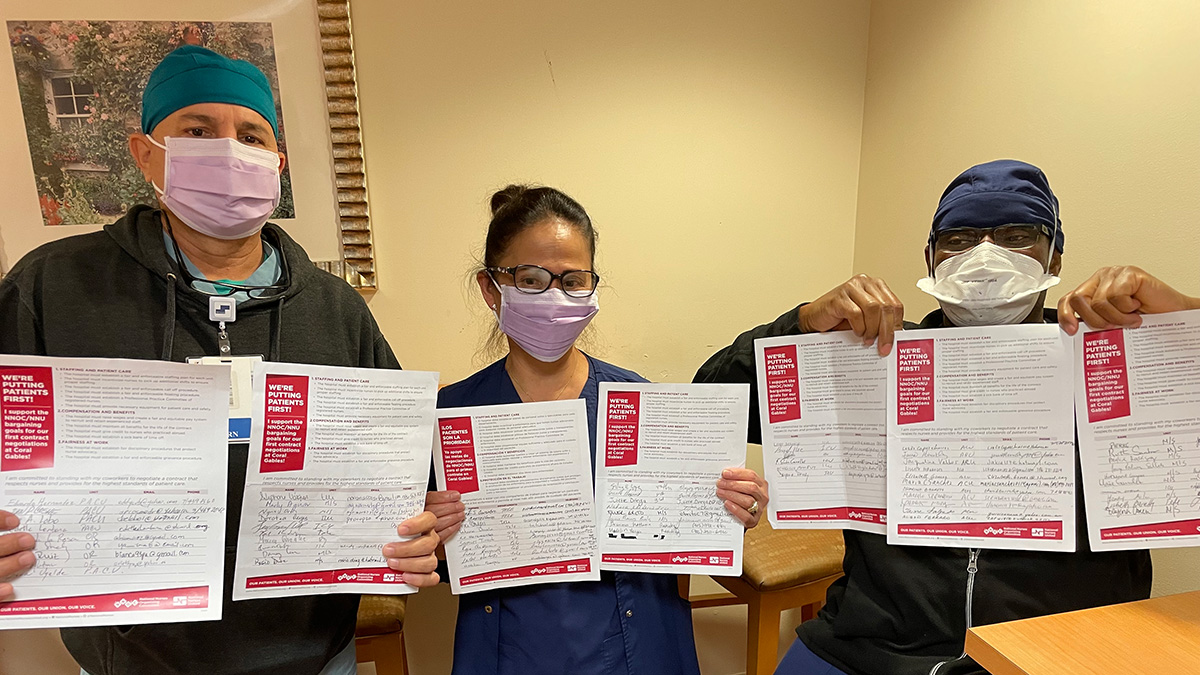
x=71 y=96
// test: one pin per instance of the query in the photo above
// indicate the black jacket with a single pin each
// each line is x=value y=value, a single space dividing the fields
x=108 y=294
x=902 y=610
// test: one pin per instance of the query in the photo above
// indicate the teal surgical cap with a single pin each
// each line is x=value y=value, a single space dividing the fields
x=191 y=75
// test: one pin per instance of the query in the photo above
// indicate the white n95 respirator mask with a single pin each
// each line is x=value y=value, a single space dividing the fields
x=987 y=286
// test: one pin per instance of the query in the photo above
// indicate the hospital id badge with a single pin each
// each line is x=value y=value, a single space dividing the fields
x=241 y=371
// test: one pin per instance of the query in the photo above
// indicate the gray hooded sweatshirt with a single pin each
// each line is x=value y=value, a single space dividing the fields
x=117 y=294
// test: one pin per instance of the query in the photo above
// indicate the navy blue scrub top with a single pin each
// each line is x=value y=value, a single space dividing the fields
x=624 y=624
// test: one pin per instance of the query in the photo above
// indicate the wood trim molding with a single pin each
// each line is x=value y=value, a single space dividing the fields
x=357 y=265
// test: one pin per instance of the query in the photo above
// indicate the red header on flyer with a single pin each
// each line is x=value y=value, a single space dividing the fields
x=365 y=575
x=458 y=454
x=26 y=418
x=195 y=597
x=1049 y=529
x=783 y=383
x=285 y=423
x=621 y=430
x=1105 y=375
x=709 y=558
x=862 y=515
x=544 y=570
x=1178 y=528
x=914 y=381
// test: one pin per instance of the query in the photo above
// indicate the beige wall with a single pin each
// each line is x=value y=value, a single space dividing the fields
x=715 y=145
x=1104 y=96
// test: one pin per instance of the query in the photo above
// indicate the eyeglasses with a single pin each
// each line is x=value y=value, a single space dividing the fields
x=534 y=279
x=1012 y=237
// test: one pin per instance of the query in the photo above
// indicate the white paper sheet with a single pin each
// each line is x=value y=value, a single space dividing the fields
x=338 y=458
x=118 y=468
x=823 y=414
x=660 y=450
x=241 y=373
x=525 y=474
x=981 y=446
x=1137 y=400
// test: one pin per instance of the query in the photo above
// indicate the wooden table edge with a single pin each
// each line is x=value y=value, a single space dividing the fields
x=987 y=656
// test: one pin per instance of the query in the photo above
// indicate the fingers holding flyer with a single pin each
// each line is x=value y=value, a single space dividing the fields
x=16 y=553
x=415 y=558
x=16 y=549
x=447 y=506
x=745 y=494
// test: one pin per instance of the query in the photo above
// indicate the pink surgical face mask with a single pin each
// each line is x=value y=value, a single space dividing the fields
x=545 y=324
x=218 y=186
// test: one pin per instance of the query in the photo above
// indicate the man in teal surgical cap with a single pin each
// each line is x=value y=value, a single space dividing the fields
x=141 y=289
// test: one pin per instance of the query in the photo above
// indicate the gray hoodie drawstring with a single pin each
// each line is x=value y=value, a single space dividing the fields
x=278 y=332
x=169 y=325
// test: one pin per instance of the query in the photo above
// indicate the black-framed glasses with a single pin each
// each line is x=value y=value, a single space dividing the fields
x=1013 y=237
x=256 y=291
x=535 y=279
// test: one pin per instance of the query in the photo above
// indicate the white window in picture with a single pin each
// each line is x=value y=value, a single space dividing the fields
x=71 y=104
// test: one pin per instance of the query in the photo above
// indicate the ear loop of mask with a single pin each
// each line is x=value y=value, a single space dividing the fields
x=929 y=253
x=496 y=307
x=150 y=138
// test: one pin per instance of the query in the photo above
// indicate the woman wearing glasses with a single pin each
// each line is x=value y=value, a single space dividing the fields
x=538 y=279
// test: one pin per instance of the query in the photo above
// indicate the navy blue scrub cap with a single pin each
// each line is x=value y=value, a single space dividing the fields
x=1001 y=192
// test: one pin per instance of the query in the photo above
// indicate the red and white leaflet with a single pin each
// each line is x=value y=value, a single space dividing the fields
x=525 y=474
x=660 y=449
x=822 y=408
x=981 y=450
x=338 y=458
x=118 y=468
x=1137 y=403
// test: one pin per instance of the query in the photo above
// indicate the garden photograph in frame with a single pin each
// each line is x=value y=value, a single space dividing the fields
x=82 y=104
x=80 y=84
